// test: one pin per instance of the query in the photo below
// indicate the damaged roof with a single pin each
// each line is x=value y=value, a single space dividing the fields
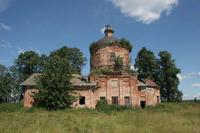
x=77 y=80
x=141 y=84
x=32 y=80
x=150 y=83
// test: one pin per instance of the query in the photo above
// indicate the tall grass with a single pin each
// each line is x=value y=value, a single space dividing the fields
x=165 y=118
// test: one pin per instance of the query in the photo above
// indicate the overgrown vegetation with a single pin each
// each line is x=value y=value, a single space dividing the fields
x=121 y=43
x=126 y=44
x=165 y=118
x=118 y=64
x=103 y=106
x=117 y=68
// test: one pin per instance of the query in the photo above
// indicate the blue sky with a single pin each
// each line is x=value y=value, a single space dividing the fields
x=46 y=25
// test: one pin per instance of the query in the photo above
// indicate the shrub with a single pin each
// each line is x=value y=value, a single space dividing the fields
x=126 y=44
x=55 y=89
x=103 y=106
x=118 y=66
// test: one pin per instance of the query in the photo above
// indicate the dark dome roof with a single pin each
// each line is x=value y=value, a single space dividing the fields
x=106 y=40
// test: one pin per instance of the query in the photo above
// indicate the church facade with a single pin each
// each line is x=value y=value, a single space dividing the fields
x=106 y=81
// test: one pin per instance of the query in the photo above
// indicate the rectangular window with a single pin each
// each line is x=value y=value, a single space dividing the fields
x=82 y=100
x=102 y=98
x=158 y=99
x=114 y=83
x=115 y=100
x=127 y=101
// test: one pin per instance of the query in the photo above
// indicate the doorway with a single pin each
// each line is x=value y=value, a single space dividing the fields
x=143 y=104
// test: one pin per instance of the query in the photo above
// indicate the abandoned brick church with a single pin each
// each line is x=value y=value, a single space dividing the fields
x=120 y=87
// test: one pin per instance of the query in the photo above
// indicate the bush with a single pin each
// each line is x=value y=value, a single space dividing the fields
x=55 y=89
x=102 y=106
x=126 y=44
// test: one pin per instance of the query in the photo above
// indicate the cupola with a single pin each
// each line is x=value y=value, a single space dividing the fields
x=108 y=31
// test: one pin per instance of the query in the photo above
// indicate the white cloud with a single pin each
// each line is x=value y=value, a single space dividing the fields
x=192 y=74
x=196 y=85
x=189 y=75
x=198 y=73
x=197 y=95
x=181 y=77
x=185 y=96
x=35 y=50
x=145 y=11
x=20 y=50
x=5 y=44
x=102 y=30
x=5 y=27
x=4 y=4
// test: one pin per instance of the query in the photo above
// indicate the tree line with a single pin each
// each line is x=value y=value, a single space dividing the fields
x=57 y=69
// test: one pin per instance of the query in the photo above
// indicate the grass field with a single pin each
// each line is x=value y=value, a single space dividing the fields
x=165 y=118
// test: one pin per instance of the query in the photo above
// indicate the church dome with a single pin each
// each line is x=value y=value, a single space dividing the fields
x=106 y=40
x=104 y=51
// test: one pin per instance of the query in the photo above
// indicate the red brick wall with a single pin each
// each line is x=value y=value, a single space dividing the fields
x=102 y=57
x=123 y=86
x=28 y=96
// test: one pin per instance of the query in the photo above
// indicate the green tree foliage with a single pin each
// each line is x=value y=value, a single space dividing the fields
x=28 y=63
x=121 y=43
x=25 y=65
x=163 y=71
x=147 y=64
x=126 y=44
x=168 y=79
x=55 y=90
x=73 y=55
x=118 y=65
x=5 y=84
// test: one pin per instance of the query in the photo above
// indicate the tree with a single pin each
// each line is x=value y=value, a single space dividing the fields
x=55 y=90
x=5 y=84
x=168 y=79
x=24 y=66
x=73 y=55
x=28 y=63
x=147 y=65
x=163 y=71
x=118 y=65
